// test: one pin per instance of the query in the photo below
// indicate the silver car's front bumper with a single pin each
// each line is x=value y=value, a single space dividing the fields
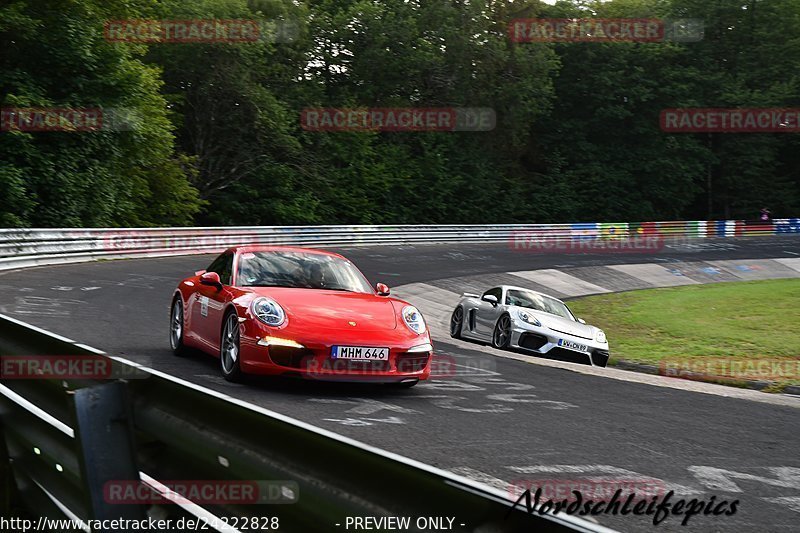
x=545 y=341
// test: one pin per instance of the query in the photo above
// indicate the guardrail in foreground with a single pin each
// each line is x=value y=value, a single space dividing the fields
x=21 y=248
x=65 y=438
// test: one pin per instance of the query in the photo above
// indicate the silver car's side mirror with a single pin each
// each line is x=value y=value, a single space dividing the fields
x=490 y=298
x=582 y=321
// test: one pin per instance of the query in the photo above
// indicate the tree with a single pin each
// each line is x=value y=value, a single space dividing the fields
x=55 y=55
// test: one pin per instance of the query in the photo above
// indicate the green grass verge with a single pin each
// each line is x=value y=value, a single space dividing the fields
x=743 y=320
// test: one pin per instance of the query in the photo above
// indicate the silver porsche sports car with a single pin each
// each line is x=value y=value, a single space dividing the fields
x=517 y=318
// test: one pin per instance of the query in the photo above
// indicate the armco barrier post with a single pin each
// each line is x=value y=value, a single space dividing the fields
x=104 y=433
x=8 y=488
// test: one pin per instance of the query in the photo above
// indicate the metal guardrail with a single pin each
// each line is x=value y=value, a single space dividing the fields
x=66 y=438
x=21 y=248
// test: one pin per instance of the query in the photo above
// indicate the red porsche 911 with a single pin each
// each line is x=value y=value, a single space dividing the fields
x=302 y=312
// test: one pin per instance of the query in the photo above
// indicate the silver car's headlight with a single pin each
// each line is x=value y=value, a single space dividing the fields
x=528 y=318
x=600 y=336
x=413 y=319
x=268 y=311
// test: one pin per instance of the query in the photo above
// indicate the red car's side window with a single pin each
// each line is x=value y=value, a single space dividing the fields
x=223 y=265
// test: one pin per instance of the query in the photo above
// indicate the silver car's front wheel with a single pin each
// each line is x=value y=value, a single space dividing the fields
x=456 y=322
x=501 y=337
x=229 y=348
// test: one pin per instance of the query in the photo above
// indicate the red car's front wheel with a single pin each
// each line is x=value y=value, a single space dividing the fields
x=176 y=327
x=229 y=352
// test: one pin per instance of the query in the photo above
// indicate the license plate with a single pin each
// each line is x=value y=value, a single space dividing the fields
x=572 y=345
x=360 y=353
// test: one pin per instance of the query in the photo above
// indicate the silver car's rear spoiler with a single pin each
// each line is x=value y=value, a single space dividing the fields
x=470 y=295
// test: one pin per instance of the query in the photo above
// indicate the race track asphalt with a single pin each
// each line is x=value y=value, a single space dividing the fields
x=496 y=420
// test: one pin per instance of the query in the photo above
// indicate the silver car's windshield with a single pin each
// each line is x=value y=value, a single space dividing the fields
x=300 y=270
x=539 y=302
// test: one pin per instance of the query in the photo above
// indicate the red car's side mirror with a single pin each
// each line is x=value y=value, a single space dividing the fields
x=212 y=279
x=382 y=289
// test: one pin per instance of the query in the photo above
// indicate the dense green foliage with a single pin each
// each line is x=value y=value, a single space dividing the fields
x=219 y=139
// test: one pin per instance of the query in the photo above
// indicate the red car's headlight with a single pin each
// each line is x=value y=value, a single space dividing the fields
x=413 y=319
x=268 y=311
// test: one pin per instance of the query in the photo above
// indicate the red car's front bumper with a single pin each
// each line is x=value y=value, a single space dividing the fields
x=313 y=360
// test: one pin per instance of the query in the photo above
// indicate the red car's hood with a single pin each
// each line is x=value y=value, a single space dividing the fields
x=326 y=309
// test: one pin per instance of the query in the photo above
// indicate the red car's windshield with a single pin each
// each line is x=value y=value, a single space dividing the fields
x=300 y=270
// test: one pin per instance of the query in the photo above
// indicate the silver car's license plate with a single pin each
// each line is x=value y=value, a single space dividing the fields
x=572 y=345
x=360 y=353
